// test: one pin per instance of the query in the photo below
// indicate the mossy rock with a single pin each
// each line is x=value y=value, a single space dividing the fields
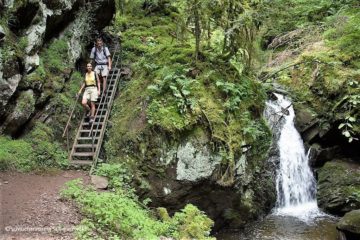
x=339 y=186
x=350 y=222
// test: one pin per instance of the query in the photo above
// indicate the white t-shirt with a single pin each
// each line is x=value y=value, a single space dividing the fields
x=101 y=56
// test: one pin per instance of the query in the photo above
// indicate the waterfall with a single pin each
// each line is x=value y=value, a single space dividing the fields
x=295 y=183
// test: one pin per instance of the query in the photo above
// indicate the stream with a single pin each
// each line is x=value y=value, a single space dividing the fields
x=296 y=215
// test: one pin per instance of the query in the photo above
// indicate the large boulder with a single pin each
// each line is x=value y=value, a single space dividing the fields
x=188 y=172
x=339 y=186
x=349 y=225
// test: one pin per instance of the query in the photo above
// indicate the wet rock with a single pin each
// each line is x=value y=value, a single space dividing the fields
x=349 y=225
x=99 y=182
x=339 y=186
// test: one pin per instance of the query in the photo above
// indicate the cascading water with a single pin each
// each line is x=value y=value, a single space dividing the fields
x=296 y=215
x=295 y=184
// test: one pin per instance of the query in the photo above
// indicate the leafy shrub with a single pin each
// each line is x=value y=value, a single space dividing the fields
x=191 y=223
x=118 y=174
x=118 y=216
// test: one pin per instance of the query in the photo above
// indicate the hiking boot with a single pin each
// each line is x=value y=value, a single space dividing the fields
x=87 y=115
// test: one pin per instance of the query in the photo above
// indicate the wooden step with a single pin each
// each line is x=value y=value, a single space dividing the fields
x=85 y=145
x=88 y=130
x=81 y=162
x=88 y=138
x=87 y=134
x=95 y=124
x=101 y=116
x=82 y=154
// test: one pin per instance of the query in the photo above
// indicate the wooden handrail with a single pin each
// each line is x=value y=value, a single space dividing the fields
x=72 y=112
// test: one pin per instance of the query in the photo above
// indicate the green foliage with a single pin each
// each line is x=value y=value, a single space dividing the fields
x=118 y=216
x=179 y=85
x=47 y=152
x=344 y=32
x=287 y=15
x=23 y=42
x=25 y=104
x=167 y=115
x=36 y=151
x=350 y=103
x=173 y=104
x=192 y=224
x=118 y=174
x=234 y=93
x=52 y=69
x=171 y=93
x=54 y=57
x=15 y=154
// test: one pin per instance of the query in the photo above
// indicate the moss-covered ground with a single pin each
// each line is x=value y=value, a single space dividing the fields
x=171 y=94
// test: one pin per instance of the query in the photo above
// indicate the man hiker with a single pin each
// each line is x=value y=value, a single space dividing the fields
x=102 y=58
x=92 y=91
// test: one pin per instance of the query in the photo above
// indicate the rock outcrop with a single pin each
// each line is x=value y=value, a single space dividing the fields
x=188 y=171
x=339 y=186
x=349 y=225
x=32 y=28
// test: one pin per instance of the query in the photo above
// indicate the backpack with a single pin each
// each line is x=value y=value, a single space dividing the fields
x=103 y=52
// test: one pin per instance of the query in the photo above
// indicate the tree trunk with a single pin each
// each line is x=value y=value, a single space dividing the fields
x=197 y=29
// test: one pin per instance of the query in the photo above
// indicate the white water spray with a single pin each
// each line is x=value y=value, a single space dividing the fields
x=295 y=184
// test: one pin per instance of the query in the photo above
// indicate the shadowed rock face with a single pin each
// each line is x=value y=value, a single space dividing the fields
x=32 y=25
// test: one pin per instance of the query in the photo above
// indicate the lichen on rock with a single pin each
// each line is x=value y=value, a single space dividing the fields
x=195 y=161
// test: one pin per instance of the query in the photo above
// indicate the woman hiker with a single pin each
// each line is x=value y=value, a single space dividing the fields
x=92 y=91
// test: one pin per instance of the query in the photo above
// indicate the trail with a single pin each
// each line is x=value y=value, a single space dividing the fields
x=31 y=208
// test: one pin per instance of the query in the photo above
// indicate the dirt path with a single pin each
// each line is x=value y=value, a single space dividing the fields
x=31 y=208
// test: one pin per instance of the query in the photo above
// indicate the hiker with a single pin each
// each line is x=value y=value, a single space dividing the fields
x=101 y=56
x=92 y=92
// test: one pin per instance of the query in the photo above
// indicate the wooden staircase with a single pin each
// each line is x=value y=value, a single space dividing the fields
x=89 y=137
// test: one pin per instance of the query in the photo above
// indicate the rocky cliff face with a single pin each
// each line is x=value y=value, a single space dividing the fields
x=175 y=173
x=41 y=41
